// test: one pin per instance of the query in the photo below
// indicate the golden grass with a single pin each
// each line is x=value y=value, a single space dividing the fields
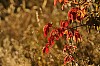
x=22 y=40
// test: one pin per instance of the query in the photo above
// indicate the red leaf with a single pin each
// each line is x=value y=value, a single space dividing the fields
x=46 y=29
x=60 y=32
x=55 y=2
x=46 y=50
x=57 y=36
x=49 y=25
x=70 y=34
x=51 y=40
x=60 y=1
x=72 y=13
x=77 y=35
x=68 y=59
x=64 y=23
x=69 y=48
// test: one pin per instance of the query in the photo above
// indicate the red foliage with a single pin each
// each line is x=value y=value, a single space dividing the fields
x=68 y=59
x=72 y=13
x=76 y=13
x=77 y=36
x=46 y=29
x=64 y=23
x=60 y=1
x=70 y=34
x=65 y=30
x=69 y=48
x=55 y=2
x=46 y=49
x=57 y=33
x=51 y=40
x=61 y=31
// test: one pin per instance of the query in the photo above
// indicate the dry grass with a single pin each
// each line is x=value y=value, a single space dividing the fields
x=22 y=40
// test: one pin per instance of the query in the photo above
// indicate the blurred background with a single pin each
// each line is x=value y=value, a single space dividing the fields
x=22 y=40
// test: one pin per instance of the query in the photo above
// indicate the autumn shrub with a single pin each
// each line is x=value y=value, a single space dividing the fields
x=81 y=14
